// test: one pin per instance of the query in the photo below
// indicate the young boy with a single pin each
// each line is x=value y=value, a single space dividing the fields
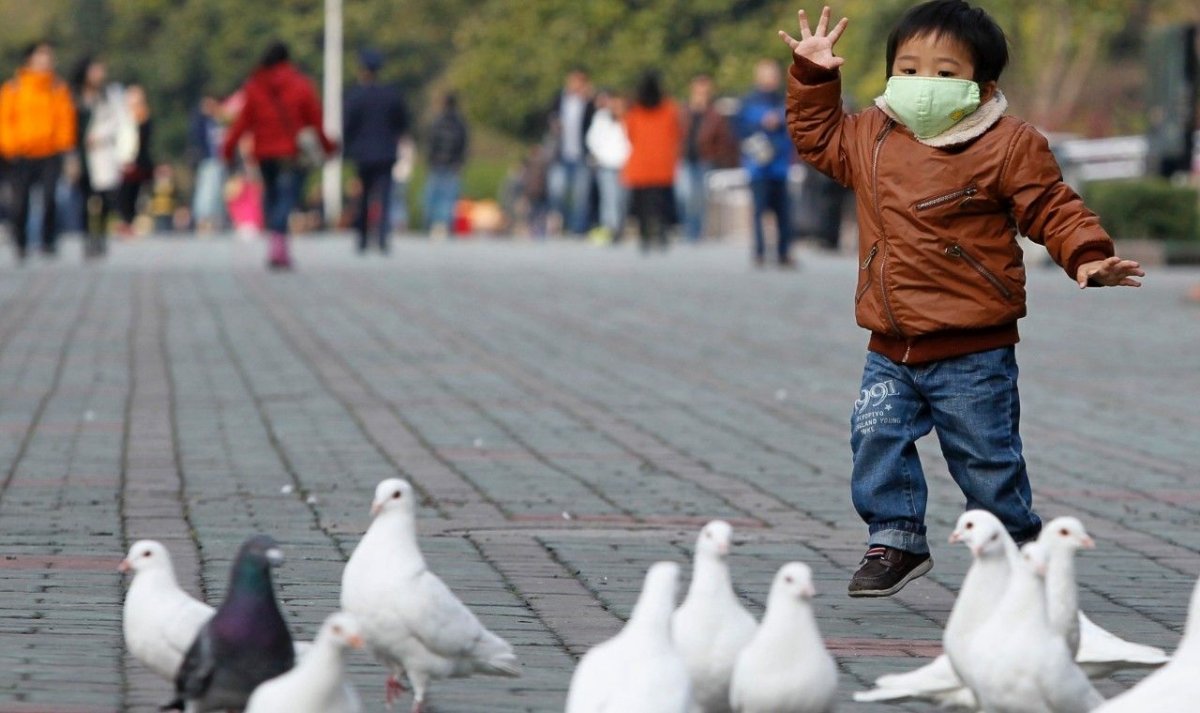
x=945 y=183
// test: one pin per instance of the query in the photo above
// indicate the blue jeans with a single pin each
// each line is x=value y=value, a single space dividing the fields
x=612 y=201
x=691 y=191
x=771 y=194
x=972 y=402
x=441 y=195
x=570 y=182
x=283 y=182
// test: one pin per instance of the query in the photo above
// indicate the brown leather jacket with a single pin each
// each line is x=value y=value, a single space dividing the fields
x=941 y=273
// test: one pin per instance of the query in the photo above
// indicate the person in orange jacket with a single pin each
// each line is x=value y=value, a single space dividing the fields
x=37 y=126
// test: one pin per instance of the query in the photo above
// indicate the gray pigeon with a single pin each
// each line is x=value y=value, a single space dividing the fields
x=245 y=643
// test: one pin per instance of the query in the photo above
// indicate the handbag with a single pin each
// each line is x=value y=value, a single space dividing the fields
x=310 y=152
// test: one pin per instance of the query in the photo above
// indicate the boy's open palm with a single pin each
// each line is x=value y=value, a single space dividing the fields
x=817 y=46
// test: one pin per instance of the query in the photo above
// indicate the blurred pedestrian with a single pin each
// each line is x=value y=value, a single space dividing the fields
x=654 y=139
x=767 y=153
x=375 y=120
x=402 y=171
x=101 y=118
x=283 y=115
x=205 y=136
x=139 y=166
x=609 y=145
x=708 y=143
x=446 y=152
x=571 y=176
x=37 y=126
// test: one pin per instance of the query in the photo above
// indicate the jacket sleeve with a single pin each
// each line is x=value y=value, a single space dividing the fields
x=237 y=128
x=65 y=120
x=1046 y=209
x=820 y=128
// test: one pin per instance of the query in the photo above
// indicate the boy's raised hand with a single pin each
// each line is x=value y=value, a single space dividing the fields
x=1111 y=272
x=817 y=47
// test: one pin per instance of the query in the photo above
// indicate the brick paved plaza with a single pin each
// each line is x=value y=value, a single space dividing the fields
x=569 y=414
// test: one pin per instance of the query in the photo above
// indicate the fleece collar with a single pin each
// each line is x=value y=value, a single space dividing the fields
x=969 y=129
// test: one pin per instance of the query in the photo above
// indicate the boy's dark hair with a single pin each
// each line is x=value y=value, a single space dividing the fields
x=971 y=26
x=276 y=53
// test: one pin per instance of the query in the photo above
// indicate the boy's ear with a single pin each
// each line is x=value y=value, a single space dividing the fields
x=987 y=90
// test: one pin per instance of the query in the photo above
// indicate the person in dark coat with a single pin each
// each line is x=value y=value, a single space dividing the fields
x=281 y=110
x=446 y=153
x=375 y=121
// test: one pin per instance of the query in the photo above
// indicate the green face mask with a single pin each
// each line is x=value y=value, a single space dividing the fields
x=930 y=105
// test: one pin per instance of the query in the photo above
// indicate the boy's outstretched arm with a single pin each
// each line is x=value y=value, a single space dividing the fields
x=817 y=47
x=1111 y=272
x=820 y=129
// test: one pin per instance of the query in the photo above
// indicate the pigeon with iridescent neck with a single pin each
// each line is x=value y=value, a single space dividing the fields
x=246 y=641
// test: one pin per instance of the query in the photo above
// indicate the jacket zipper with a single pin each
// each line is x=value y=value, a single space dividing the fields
x=957 y=251
x=965 y=194
x=866 y=264
x=887 y=306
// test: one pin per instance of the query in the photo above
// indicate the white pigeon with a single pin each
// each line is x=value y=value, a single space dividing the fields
x=711 y=627
x=1098 y=652
x=411 y=621
x=638 y=670
x=317 y=683
x=1175 y=688
x=785 y=668
x=159 y=619
x=940 y=680
x=1024 y=664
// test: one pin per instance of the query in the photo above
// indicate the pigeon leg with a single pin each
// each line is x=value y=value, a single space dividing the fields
x=393 y=689
x=417 y=707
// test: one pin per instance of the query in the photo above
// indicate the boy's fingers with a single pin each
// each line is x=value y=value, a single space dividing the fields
x=1130 y=282
x=823 y=23
x=805 y=30
x=838 y=29
x=788 y=40
x=836 y=62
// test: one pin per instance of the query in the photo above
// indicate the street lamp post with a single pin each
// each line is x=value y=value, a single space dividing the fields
x=331 y=183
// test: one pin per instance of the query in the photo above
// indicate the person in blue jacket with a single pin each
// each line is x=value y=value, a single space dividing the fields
x=767 y=154
x=375 y=120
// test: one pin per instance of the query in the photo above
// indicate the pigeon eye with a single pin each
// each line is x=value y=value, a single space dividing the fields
x=337 y=630
x=1064 y=532
x=994 y=536
x=147 y=553
x=396 y=495
x=970 y=525
x=789 y=580
x=708 y=535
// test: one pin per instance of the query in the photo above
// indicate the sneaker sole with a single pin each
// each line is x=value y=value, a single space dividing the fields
x=918 y=571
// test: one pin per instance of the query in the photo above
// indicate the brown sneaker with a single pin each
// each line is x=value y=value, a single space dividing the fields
x=885 y=570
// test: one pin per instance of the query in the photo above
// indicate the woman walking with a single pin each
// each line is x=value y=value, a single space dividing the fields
x=102 y=119
x=282 y=113
x=654 y=136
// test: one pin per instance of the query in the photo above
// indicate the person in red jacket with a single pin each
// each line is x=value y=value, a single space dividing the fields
x=654 y=139
x=282 y=113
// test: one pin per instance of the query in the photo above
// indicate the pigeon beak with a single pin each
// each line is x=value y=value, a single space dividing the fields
x=274 y=556
x=376 y=508
x=723 y=549
x=124 y=566
x=955 y=537
x=1041 y=569
x=1087 y=543
x=808 y=591
x=355 y=642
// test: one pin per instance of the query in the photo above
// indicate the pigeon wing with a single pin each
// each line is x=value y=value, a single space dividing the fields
x=198 y=668
x=441 y=622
